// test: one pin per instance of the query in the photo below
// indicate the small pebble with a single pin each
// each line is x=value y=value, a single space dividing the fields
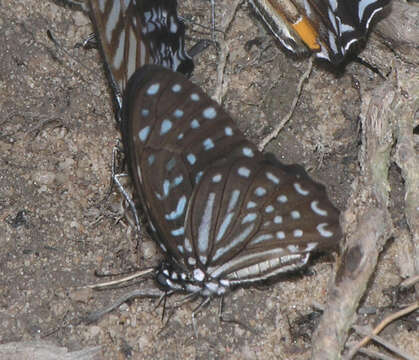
x=43 y=177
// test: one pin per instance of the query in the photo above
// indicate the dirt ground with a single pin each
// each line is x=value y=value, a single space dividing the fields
x=57 y=226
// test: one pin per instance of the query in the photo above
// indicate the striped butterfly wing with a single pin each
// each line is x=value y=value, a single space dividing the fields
x=172 y=131
x=133 y=33
x=329 y=28
x=342 y=24
x=250 y=219
x=283 y=18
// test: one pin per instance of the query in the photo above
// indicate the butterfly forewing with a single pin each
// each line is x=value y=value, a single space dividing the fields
x=133 y=33
x=173 y=131
x=252 y=219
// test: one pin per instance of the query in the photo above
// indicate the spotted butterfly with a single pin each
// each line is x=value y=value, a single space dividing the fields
x=222 y=213
x=329 y=28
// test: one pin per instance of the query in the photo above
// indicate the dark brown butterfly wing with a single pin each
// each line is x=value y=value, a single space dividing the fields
x=172 y=132
x=251 y=219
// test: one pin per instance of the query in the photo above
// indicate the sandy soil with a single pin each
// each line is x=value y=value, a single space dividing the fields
x=57 y=225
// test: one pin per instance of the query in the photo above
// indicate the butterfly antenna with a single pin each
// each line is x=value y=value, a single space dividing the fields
x=64 y=50
x=96 y=315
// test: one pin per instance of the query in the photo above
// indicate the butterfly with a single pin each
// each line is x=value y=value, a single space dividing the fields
x=133 y=33
x=223 y=214
x=328 y=28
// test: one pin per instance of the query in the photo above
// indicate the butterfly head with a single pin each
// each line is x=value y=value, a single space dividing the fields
x=197 y=281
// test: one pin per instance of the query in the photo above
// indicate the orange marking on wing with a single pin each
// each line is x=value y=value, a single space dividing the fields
x=307 y=33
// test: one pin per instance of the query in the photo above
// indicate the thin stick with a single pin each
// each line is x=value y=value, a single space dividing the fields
x=225 y=51
x=366 y=330
x=213 y=20
x=267 y=139
x=409 y=282
x=391 y=347
x=380 y=327
x=376 y=355
x=119 y=281
x=366 y=222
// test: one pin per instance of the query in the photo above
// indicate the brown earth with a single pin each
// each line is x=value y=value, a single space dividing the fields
x=57 y=227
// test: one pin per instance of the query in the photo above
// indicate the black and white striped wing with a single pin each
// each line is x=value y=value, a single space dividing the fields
x=251 y=219
x=342 y=23
x=329 y=28
x=172 y=131
x=133 y=33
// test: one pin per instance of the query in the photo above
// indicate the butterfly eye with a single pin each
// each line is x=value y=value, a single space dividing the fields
x=222 y=213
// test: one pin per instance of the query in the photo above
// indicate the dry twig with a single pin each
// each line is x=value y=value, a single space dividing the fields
x=224 y=52
x=125 y=279
x=409 y=282
x=377 y=330
x=267 y=139
x=367 y=225
x=406 y=157
x=376 y=355
x=47 y=351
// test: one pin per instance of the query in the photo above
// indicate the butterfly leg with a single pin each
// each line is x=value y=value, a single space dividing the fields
x=196 y=311
x=90 y=42
x=76 y=4
x=162 y=301
x=222 y=318
x=221 y=309
x=116 y=177
x=199 y=47
x=365 y=63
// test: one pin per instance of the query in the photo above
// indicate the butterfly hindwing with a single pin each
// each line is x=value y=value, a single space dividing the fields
x=246 y=213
